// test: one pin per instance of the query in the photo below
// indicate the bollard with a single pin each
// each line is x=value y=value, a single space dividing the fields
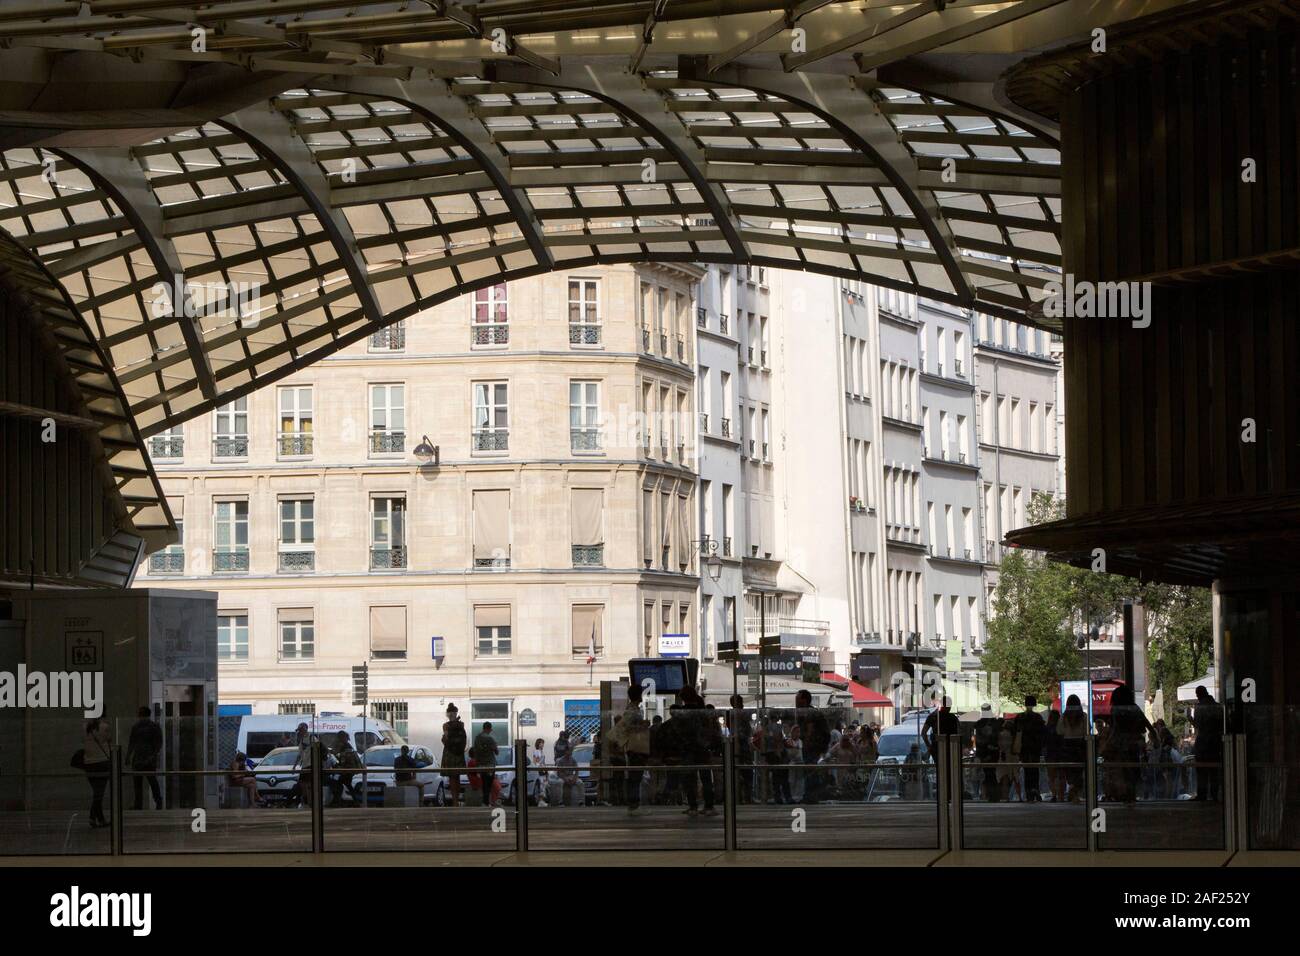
x=1090 y=788
x=115 y=796
x=317 y=783
x=521 y=796
x=729 y=793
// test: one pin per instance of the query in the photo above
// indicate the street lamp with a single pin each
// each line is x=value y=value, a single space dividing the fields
x=426 y=451
x=714 y=563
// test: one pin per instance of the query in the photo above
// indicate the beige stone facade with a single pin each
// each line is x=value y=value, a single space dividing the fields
x=462 y=512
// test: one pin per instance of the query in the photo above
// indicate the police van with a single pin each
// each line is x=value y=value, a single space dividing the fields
x=259 y=734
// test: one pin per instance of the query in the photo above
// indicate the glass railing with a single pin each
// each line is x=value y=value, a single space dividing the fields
x=669 y=775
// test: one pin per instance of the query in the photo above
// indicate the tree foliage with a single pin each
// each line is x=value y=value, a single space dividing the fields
x=1039 y=607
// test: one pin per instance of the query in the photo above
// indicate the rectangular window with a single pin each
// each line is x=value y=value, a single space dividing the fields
x=584 y=312
x=297 y=534
x=584 y=416
x=387 y=419
x=490 y=325
x=168 y=445
x=387 y=533
x=230 y=536
x=492 y=630
x=588 y=630
x=587 y=527
x=491 y=416
x=491 y=529
x=297 y=634
x=496 y=713
x=395 y=713
x=230 y=430
x=232 y=636
x=295 y=436
x=388 y=633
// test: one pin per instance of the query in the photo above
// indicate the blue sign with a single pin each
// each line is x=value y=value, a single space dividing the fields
x=439 y=648
x=582 y=708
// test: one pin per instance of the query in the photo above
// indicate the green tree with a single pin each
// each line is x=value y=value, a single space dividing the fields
x=1039 y=606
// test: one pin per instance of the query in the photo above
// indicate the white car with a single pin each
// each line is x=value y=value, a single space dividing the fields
x=381 y=775
x=275 y=786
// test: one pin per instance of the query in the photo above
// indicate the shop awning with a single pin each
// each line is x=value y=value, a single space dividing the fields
x=862 y=696
x=1101 y=694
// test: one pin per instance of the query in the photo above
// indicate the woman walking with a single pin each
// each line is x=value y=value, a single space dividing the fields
x=97 y=763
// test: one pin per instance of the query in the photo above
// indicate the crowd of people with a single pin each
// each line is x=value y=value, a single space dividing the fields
x=801 y=755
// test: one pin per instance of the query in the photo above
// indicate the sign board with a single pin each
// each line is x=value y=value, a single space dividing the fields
x=527 y=718
x=84 y=650
x=865 y=667
x=1081 y=689
x=674 y=645
x=438 y=648
x=785 y=664
x=952 y=655
x=360 y=685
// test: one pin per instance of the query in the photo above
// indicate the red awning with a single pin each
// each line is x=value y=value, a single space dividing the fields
x=862 y=696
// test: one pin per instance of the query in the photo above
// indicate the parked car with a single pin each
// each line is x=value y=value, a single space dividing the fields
x=274 y=787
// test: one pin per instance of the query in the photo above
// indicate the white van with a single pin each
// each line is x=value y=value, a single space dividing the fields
x=259 y=734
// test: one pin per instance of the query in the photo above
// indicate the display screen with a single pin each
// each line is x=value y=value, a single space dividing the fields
x=668 y=673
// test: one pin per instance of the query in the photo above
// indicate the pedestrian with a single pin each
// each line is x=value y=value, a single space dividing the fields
x=300 y=793
x=485 y=758
x=1053 y=755
x=348 y=760
x=1207 y=752
x=776 y=756
x=815 y=738
x=1124 y=747
x=1073 y=728
x=240 y=778
x=97 y=762
x=404 y=767
x=986 y=750
x=741 y=730
x=1008 y=763
x=538 y=759
x=454 y=741
x=142 y=750
x=634 y=735
x=1029 y=728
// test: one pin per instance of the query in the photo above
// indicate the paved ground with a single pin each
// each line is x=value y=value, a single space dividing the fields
x=895 y=826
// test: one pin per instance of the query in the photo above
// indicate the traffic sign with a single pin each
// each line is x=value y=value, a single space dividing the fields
x=360 y=685
x=729 y=650
x=769 y=644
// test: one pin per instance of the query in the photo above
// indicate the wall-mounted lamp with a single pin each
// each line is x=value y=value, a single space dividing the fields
x=427 y=452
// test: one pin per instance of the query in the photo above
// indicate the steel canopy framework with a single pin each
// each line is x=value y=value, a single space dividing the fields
x=376 y=187
x=357 y=163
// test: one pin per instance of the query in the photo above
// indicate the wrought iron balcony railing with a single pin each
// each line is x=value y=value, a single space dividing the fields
x=701 y=318
x=584 y=334
x=704 y=422
x=493 y=333
x=387 y=442
x=681 y=347
x=663 y=343
x=492 y=439
x=588 y=555
x=584 y=439
x=645 y=340
x=297 y=561
x=388 y=559
x=492 y=562
x=726 y=428
x=295 y=444
x=230 y=559
x=726 y=547
x=167 y=562
x=722 y=322
x=230 y=446
x=167 y=446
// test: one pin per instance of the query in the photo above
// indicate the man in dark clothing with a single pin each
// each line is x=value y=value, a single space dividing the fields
x=815 y=732
x=940 y=722
x=1207 y=718
x=987 y=729
x=741 y=729
x=142 y=752
x=1029 y=727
